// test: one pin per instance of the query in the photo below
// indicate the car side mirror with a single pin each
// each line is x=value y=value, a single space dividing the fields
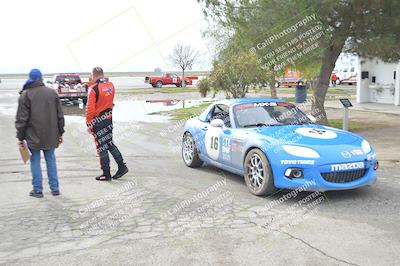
x=312 y=118
x=217 y=123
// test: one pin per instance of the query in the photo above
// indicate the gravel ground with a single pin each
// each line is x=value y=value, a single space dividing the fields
x=164 y=213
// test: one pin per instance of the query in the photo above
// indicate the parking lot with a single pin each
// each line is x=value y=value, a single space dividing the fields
x=164 y=213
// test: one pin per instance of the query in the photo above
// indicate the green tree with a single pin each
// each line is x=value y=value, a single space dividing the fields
x=235 y=74
x=369 y=28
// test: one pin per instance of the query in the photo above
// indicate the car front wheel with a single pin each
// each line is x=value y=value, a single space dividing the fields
x=189 y=151
x=258 y=174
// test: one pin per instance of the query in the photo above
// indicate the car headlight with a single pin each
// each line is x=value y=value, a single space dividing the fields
x=365 y=146
x=300 y=151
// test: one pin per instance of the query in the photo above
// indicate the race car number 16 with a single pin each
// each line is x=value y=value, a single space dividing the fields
x=212 y=143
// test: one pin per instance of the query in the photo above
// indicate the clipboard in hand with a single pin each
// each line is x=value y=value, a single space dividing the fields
x=25 y=153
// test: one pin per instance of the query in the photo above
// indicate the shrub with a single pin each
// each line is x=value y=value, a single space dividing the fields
x=204 y=87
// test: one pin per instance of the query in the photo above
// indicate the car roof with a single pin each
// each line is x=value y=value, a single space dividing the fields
x=236 y=101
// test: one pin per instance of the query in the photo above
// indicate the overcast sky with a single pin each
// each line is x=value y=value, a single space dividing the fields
x=120 y=35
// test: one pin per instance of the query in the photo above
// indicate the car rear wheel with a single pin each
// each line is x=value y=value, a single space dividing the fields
x=159 y=84
x=257 y=173
x=189 y=151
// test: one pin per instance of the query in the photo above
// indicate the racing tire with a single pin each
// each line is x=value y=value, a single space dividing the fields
x=159 y=84
x=190 y=155
x=258 y=174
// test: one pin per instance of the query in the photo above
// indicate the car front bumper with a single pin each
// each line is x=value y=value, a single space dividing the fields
x=313 y=179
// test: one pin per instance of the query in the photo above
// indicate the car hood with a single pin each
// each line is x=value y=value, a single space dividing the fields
x=308 y=135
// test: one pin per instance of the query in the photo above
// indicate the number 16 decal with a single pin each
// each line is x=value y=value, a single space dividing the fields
x=214 y=143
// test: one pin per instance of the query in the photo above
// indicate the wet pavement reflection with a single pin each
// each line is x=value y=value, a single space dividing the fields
x=137 y=110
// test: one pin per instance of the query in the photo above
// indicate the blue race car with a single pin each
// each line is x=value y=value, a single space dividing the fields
x=273 y=144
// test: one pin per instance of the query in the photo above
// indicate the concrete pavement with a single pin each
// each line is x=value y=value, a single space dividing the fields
x=164 y=213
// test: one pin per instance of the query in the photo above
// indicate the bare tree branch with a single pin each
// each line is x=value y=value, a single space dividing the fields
x=184 y=57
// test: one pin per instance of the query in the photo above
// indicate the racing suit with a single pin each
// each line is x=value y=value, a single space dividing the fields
x=99 y=118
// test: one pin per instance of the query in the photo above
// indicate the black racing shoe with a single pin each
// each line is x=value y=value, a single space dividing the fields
x=36 y=194
x=122 y=170
x=106 y=176
x=55 y=193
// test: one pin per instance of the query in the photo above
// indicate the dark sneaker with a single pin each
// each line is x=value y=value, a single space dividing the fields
x=106 y=176
x=36 y=194
x=55 y=193
x=122 y=170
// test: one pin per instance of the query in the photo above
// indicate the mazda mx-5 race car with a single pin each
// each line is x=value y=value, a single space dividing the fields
x=273 y=144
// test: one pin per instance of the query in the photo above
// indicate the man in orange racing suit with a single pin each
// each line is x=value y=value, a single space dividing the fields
x=99 y=121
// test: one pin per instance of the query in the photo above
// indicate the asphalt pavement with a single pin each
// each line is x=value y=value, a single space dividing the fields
x=164 y=213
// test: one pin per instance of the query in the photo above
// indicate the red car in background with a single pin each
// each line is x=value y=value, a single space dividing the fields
x=168 y=79
x=69 y=87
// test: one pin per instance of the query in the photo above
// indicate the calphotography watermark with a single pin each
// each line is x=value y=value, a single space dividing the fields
x=291 y=29
x=106 y=213
x=200 y=209
x=121 y=132
x=175 y=129
x=296 y=213
x=195 y=198
x=291 y=208
x=289 y=44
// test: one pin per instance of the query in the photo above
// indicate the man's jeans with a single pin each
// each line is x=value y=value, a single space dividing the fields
x=37 y=179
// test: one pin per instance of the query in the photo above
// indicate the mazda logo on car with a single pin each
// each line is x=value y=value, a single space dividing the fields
x=347 y=166
x=346 y=154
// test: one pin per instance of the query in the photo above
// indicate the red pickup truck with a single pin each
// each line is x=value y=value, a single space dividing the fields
x=69 y=87
x=168 y=79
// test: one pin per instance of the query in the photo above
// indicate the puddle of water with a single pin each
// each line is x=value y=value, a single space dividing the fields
x=140 y=111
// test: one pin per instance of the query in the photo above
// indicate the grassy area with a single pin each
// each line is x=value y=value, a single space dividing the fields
x=157 y=90
x=260 y=93
x=332 y=91
x=289 y=99
x=186 y=113
x=354 y=126
x=341 y=91
x=178 y=90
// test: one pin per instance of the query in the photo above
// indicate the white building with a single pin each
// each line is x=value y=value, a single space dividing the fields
x=378 y=82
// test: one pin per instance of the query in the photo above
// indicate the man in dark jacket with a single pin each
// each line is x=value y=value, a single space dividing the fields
x=40 y=121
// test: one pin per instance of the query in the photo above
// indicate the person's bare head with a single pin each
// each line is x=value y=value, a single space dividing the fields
x=97 y=73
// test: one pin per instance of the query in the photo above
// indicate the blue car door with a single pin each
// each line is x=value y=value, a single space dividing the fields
x=217 y=140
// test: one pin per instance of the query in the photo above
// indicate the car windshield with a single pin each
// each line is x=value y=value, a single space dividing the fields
x=68 y=79
x=268 y=114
